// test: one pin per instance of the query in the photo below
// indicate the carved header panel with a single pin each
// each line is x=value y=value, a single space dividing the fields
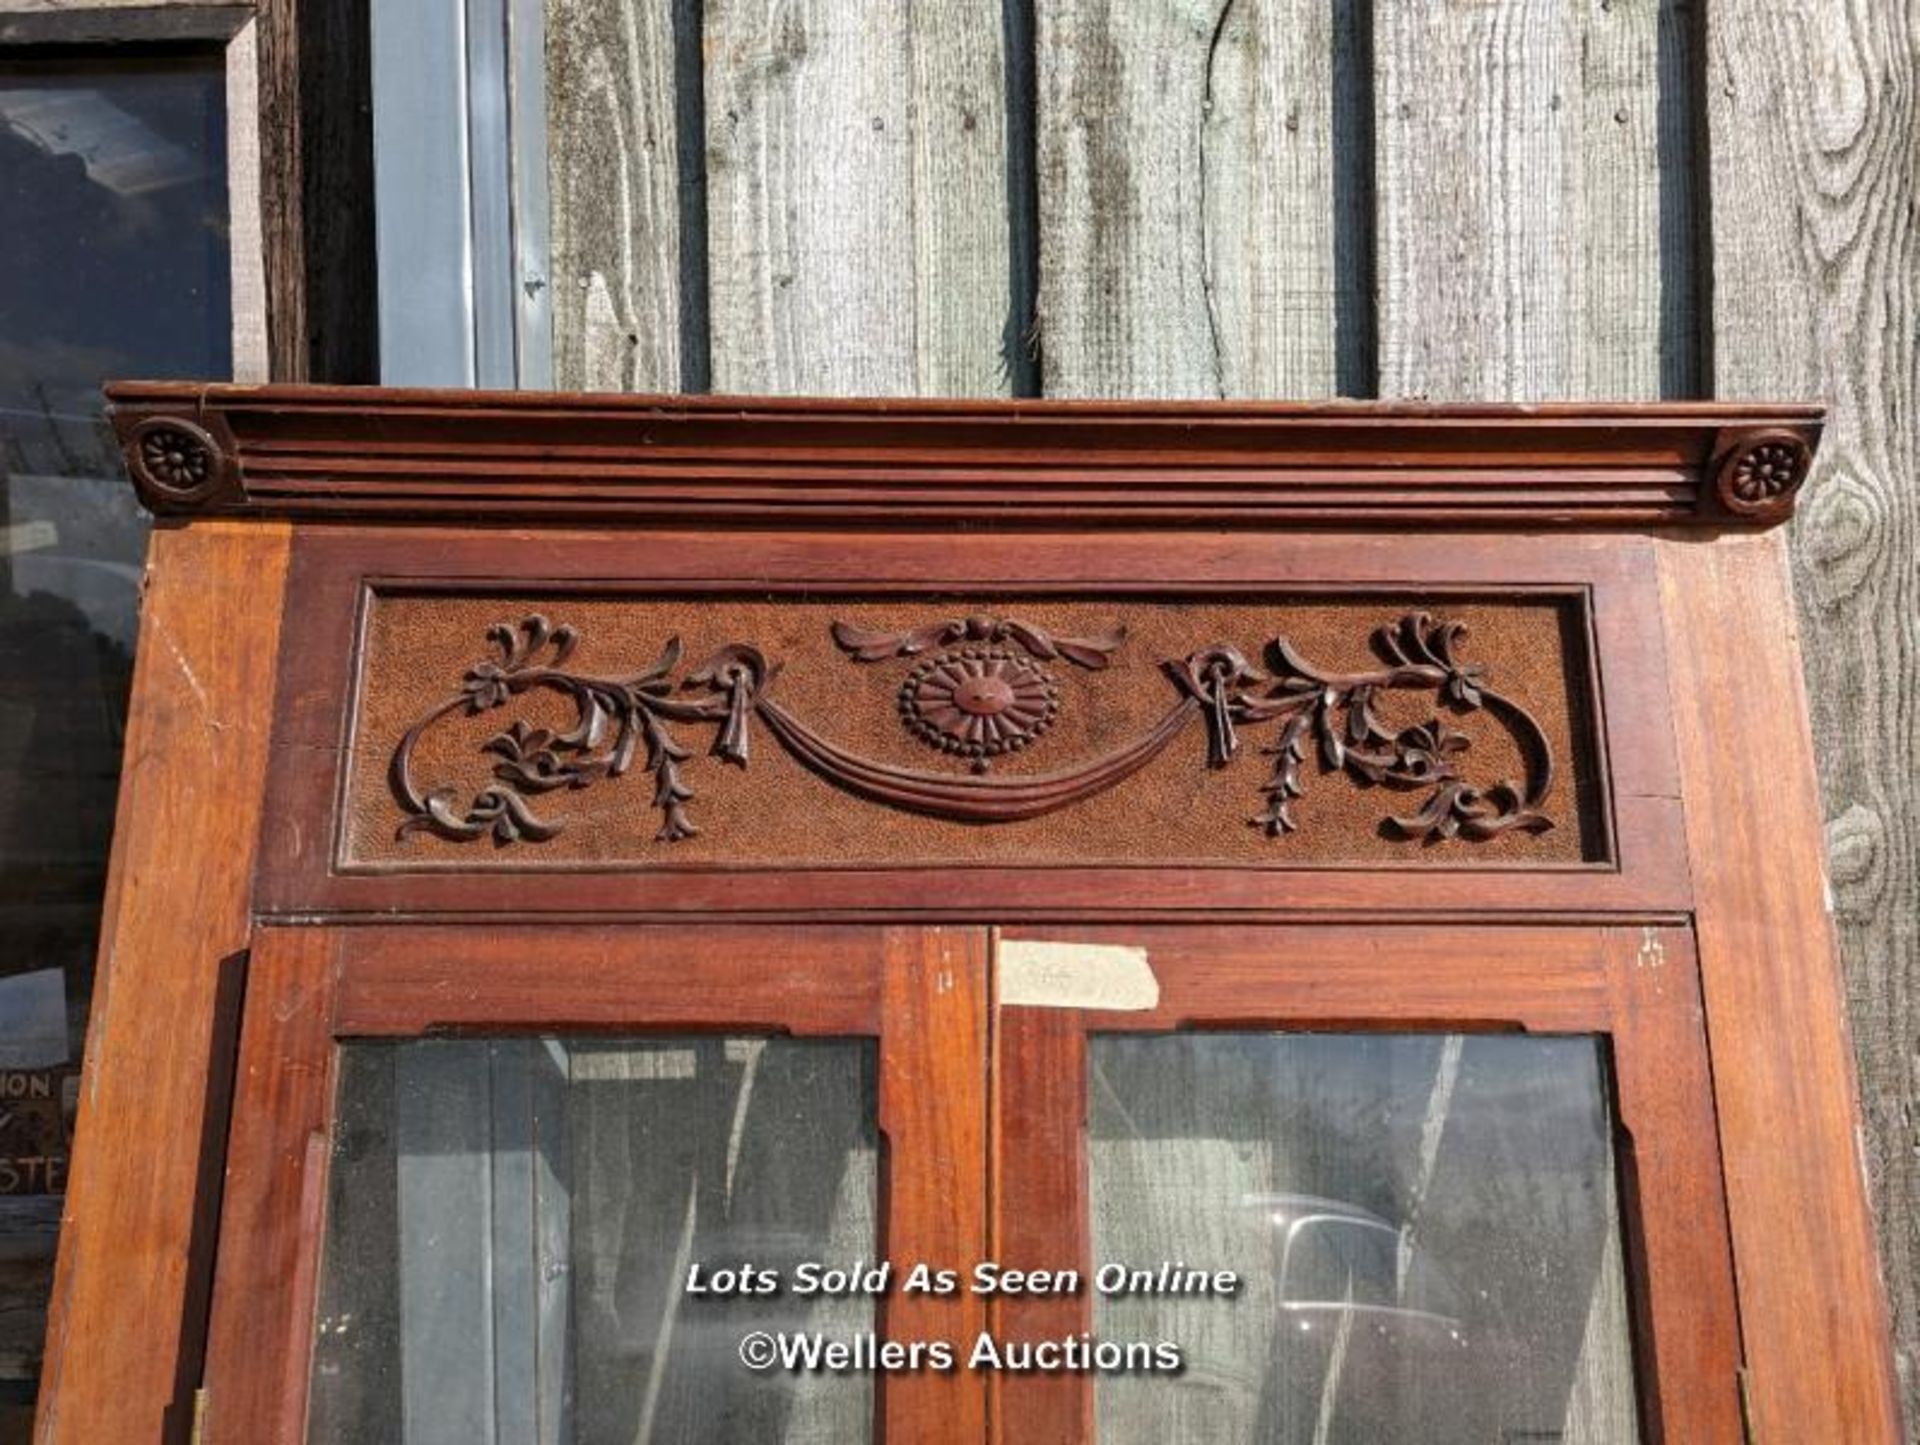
x=571 y=730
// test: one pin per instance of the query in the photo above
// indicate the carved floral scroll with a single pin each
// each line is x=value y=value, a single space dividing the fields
x=981 y=688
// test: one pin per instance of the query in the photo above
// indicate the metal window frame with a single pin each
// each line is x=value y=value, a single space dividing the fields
x=460 y=192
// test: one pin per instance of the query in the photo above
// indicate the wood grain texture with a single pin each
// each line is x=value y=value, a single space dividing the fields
x=1816 y=251
x=270 y=1227
x=598 y=979
x=924 y=993
x=1189 y=205
x=248 y=162
x=933 y=1110
x=1675 y=1207
x=468 y=456
x=122 y=1340
x=1040 y=1213
x=839 y=776
x=299 y=872
x=857 y=197
x=304 y=297
x=281 y=198
x=614 y=163
x=1534 y=219
x=1782 y=1069
x=1361 y=975
x=1634 y=986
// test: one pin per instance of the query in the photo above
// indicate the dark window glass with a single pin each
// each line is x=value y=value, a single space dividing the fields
x=113 y=264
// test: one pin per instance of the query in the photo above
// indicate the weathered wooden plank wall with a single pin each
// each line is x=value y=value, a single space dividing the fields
x=1530 y=241
x=856 y=197
x=1483 y=198
x=1188 y=157
x=615 y=197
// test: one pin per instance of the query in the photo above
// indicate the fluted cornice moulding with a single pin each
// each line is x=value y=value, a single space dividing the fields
x=323 y=452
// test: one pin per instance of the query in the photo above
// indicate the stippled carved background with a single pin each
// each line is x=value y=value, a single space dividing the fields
x=775 y=812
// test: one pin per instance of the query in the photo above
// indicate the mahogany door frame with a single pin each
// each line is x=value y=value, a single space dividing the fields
x=920 y=992
x=1637 y=987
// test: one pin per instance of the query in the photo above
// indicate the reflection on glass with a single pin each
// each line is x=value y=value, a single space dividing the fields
x=512 y=1224
x=114 y=189
x=1424 y=1227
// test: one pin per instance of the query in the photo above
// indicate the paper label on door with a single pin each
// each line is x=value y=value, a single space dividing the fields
x=1076 y=975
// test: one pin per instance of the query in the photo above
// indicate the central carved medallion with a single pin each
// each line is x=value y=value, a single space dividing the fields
x=979 y=702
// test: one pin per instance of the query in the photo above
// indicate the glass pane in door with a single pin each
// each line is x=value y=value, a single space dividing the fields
x=513 y=1225
x=1424 y=1229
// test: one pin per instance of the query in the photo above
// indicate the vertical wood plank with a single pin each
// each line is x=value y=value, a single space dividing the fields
x=1816 y=251
x=525 y=1251
x=1530 y=239
x=271 y=1221
x=1188 y=196
x=1678 y=1220
x=857 y=197
x=277 y=194
x=253 y=325
x=336 y=220
x=614 y=164
x=933 y=1110
x=1782 y=1069
x=1041 y=1212
x=122 y=1339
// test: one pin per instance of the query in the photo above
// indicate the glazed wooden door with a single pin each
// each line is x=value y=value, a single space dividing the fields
x=1464 y=1180
x=1320 y=1183
x=471 y=1172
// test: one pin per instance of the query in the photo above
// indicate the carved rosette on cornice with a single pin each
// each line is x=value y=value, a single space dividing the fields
x=989 y=700
x=1758 y=472
x=178 y=465
x=481 y=457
